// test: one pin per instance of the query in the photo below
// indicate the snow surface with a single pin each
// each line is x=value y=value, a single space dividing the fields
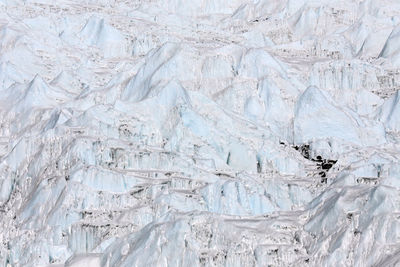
x=200 y=133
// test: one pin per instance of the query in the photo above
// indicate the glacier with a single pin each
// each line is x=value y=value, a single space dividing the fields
x=199 y=133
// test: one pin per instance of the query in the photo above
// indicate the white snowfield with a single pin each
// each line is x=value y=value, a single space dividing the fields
x=199 y=133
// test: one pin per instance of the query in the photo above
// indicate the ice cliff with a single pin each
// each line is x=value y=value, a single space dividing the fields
x=200 y=133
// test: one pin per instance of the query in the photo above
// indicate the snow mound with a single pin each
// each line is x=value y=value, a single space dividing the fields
x=391 y=49
x=97 y=32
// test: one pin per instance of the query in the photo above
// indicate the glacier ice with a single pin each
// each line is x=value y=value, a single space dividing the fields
x=200 y=133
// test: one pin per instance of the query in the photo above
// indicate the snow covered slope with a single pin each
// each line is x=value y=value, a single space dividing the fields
x=200 y=133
